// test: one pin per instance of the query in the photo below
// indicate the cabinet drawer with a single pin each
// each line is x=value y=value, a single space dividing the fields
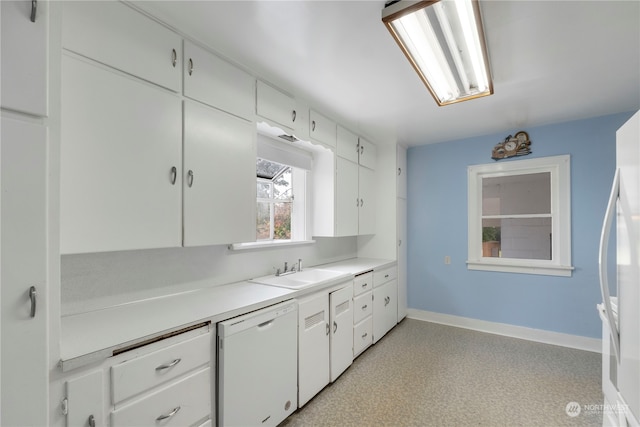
x=137 y=375
x=182 y=403
x=383 y=276
x=362 y=336
x=362 y=283
x=116 y=35
x=362 y=306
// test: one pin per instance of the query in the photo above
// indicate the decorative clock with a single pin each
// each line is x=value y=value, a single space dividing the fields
x=518 y=145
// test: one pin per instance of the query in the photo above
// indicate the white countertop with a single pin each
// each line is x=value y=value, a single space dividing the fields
x=92 y=336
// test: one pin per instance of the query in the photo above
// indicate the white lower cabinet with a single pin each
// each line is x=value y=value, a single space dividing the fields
x=164 y=383
x=385 y=301
x=181 y=403
x=362 y=312
x=325 y=340
x=86 y=394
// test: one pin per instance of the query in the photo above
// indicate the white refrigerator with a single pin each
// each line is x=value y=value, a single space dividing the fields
x=621 y=314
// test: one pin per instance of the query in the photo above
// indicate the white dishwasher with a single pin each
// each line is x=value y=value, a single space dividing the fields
x=258 y=366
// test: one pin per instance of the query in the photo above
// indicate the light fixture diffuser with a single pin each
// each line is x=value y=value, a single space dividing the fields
x=444 y=42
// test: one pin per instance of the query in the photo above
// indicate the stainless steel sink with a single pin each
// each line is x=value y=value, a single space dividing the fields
x=303 y=279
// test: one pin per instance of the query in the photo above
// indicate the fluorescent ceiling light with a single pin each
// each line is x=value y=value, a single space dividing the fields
x=444 y=41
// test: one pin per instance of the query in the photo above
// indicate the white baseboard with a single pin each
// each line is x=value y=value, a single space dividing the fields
x=530 y=334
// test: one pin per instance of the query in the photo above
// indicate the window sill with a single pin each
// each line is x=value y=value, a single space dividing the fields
x=272 y=244
x=521 y=267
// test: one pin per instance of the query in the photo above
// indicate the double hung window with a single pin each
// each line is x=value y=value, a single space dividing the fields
x=520 y=217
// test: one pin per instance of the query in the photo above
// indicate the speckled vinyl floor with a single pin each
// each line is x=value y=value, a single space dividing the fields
x=425 y=374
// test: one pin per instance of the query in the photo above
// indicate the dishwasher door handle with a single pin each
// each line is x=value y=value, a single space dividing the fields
x=265 y=324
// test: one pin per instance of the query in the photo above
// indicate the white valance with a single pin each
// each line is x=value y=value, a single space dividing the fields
x=283 y=153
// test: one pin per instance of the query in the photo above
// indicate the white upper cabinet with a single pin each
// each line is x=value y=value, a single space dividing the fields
x=367 y=154
x=112 y=33
x=322 y=129
x=347 y=200
x=219 y=177
x=347 y=144
x=276 y=106
x=24 y=57
x=121 y=161
x=367 y=205
x=216 y=82
x=401 y=190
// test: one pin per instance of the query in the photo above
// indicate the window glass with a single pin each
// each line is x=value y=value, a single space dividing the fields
x=275 y=200
x=520 y=216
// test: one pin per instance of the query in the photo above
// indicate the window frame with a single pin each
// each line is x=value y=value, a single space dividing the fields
x=272 y=202
x=560 y=169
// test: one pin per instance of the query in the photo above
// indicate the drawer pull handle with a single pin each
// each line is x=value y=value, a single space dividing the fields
x=169 y=415
x=364 y=285
x=386 y=276
x=190 y=178
x=335 y=326
x=174 y=175
x=32 y=297
x=168 y=365
x=91 y=421
x=364 y=335
x=190 y=66
x=328 y=328
x=174 y=57
x=364 y=307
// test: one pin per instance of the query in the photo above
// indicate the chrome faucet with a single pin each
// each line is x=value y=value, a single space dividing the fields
x=289 y=271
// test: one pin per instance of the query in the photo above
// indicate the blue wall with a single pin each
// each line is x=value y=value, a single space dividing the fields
x=437 y=224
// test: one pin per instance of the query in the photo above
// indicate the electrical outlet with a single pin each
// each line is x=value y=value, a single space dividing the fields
x=447 y=259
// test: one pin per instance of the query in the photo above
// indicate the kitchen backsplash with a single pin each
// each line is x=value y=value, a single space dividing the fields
x=98 y=280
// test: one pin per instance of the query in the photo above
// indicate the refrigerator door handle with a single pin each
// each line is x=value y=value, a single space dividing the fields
x=603 y=257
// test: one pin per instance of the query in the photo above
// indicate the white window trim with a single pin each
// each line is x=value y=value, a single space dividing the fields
x=560 y=169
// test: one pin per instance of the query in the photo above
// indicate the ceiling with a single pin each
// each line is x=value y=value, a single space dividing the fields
x=551 y=61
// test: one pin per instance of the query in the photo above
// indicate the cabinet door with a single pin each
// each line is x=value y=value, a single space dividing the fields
x=367 y=208
x=313 y=346
x=23 y=264
x=367 y=154
x=114 y=34
x=401 y=189
x=402 y=257
x=219 y=177
x=276 y=106
x=385 y=309
x=214 y=81
x=347 y=200
x=341 y=346
x=347 y=144
x=24 y=57
x=120 y=180
x=322 y=129
x=85 y=400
